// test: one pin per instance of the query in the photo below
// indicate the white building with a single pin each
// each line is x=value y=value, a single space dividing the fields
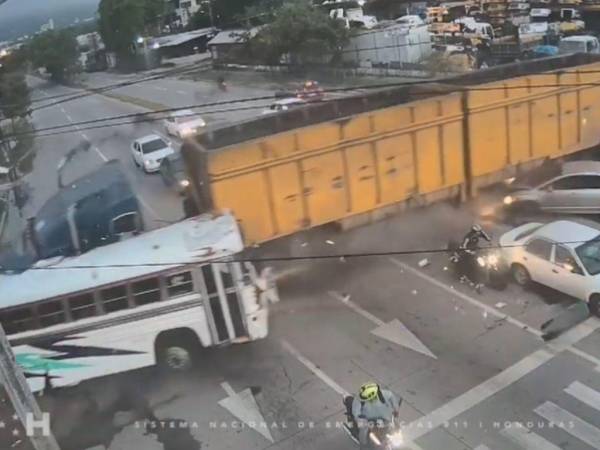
x=391 y=45
x=47 y=26
x=187 y=8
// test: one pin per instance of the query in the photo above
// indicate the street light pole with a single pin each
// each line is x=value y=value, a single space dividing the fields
x=210 y=14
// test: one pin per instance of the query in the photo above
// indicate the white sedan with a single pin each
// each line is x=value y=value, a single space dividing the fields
x=184 y=123
x=149 y=151
x=563 y=255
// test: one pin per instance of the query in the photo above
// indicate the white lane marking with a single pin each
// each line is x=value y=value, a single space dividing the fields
x=181 y=92
x=393 y=331
x=482 y=447
x=313 y=368
x=476 y=395
x=584 y=394
x=350 y=304
x=325 y=378
x=97 y=150
x=526 y=438
x=465 y=297
x=566 y=340
x=575 y=426
x=85 y=136
x=158 y=88
x=242 y=405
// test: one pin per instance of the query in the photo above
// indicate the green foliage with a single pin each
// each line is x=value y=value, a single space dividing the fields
x=14 y=95
x=121 y=22
x=56 y=51
x=305 y=33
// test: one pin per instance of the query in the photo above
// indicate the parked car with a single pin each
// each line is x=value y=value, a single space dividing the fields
x=563 y=255
x=173 y=173
x=149 y=151
x=184 y=123
x=575 y=190
x=284 y=105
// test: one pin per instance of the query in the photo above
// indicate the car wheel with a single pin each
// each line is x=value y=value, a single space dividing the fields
x=594 y=305
x=521 y=275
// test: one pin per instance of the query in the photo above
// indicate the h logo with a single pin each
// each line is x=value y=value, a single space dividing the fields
x=31 y=424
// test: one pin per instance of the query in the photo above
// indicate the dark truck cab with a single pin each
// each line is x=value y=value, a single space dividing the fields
x=96 y=209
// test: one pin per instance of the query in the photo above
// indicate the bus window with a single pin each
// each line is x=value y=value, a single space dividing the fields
x=215 y=302
x=146 y=291
x=114 y=298
x=226 y=277
x=179 y=284
x=82 y=306
x=209 y=279
x=51 y=313
x=17 y=320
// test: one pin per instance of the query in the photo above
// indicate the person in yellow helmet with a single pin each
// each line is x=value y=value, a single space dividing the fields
x=372 y=403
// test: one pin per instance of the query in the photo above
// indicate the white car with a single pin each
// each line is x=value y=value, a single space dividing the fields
x=284 y=105
x=184 y=123
x=149 y=151
x=563 y=255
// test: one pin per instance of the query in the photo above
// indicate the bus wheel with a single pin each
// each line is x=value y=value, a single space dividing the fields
x=175 y=350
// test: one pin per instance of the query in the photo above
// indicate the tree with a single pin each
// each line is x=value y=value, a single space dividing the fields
x=16 y=140
x=121 y=22
x=302 y=32
x=56 y=51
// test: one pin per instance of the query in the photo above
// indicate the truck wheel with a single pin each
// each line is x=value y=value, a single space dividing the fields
x=594 y=305
x=176 y=350
x=521 y=275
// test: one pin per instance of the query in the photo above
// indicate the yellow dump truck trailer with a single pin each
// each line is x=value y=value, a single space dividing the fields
x=364 y=156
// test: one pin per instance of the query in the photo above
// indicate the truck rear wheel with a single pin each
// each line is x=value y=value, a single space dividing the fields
x=594 y=305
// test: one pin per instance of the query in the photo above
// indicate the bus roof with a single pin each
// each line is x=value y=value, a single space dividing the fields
x=198 y=239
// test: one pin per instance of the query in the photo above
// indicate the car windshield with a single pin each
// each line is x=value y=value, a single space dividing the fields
x=152 y=146
x=589 y=254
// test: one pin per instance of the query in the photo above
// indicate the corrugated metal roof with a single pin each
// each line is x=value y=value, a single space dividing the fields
x=234 y=36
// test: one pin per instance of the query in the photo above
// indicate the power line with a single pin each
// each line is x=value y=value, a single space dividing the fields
x=344 y=256
x=147 y=116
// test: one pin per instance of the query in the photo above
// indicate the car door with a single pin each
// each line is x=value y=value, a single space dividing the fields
x=568 y=275
x=559 y=195
x=137 y=152
x=587 y=195
x=536 y=257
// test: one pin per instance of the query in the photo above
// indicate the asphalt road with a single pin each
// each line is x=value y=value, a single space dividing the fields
x=160 y=205
x=469 y=366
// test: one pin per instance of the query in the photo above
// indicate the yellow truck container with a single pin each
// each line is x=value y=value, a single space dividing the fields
x=358 y=157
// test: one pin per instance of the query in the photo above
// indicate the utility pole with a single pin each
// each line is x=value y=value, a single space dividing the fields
x=210 y=14
x=37 y=426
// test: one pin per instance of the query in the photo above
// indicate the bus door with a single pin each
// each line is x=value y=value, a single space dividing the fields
x=224 y=305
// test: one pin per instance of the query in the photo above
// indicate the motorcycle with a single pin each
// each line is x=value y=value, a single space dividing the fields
x=381 y=433
x=478 y=267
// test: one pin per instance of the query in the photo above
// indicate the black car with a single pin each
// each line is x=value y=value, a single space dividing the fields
x=173 y=173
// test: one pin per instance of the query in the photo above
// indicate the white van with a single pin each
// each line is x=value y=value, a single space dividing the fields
x=579 y=44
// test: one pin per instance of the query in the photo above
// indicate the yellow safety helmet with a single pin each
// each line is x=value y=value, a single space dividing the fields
x=369 y=391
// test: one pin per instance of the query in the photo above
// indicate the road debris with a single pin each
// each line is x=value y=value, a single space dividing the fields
x=423 y=263
x=330 y=242
x=304 y=244
x=500 y=305
x=414 y=292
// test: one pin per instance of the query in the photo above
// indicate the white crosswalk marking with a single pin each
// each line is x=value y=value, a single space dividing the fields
x=572 y=424
x=584 y=394
x=527 y=439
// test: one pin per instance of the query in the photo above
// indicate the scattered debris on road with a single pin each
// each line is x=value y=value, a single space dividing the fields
x=424 y=263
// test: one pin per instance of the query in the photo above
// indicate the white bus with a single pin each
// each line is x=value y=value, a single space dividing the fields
x=152 y=299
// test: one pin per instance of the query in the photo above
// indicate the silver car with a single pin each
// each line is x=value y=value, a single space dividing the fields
x=575 y=191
